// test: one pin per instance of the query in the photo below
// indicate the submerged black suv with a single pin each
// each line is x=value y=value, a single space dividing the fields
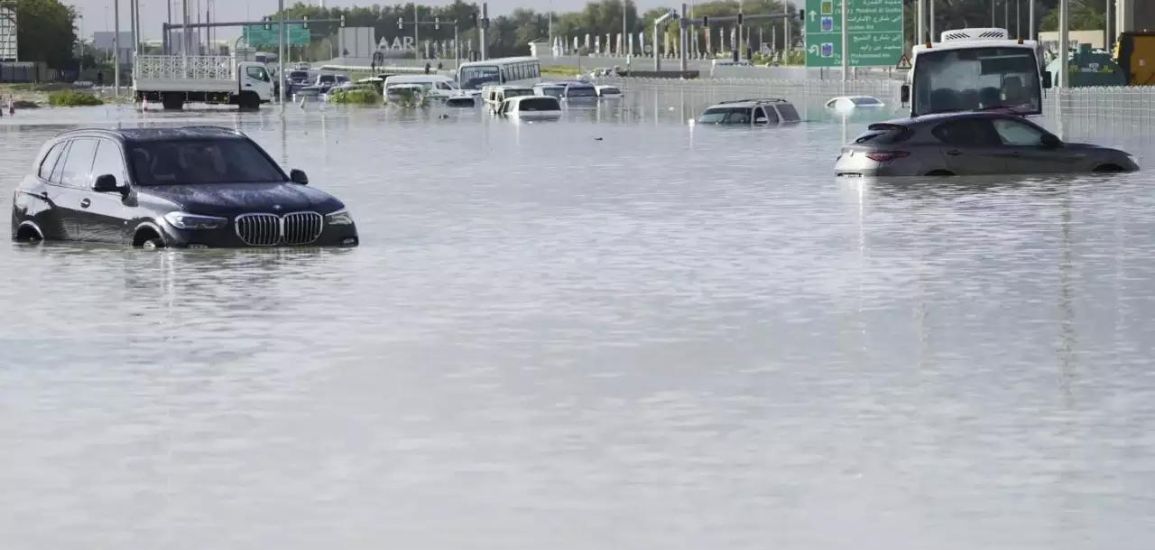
x=172 y=187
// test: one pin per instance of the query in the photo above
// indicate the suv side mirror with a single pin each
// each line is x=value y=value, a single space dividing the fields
x=1050 y=141
x=1048 y=80
x=298 y=177
x=904 y=93
x=107 y=184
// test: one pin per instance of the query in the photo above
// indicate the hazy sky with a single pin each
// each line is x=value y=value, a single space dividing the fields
x=97 y=14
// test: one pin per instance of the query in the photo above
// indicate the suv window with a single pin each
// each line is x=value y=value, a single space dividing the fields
x=78 y=163
x=109 y=161
x=738 y=116
x=1018 y=134
x=49 y=162
x=788 y=112
x=767 y=115
x=968 y=132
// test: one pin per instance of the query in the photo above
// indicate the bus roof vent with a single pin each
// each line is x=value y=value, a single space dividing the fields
x=976 y=34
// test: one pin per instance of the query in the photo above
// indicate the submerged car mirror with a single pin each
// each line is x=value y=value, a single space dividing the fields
x=1048 y=80
x=1051 y=142
x=298 y=176
x=107 y=184
x=904 y=93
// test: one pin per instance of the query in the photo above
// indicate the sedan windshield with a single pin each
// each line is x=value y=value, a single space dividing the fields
x=201 y=161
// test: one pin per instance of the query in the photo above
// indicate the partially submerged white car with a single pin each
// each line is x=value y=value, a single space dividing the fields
x=846 y=104
x=530 y=108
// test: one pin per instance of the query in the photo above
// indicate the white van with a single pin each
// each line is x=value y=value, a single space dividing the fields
x=433 y=86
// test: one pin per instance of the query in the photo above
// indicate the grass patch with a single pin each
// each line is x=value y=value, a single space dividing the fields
x=558 y=71
x=72 y=98
x=355 y=96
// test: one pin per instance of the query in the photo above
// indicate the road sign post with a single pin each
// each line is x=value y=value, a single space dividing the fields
x=875 y=30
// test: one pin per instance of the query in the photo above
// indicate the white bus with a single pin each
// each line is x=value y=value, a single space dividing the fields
x=507 y=70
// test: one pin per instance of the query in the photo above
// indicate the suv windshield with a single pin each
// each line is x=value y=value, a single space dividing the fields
x=977 y=78
x=201 y=161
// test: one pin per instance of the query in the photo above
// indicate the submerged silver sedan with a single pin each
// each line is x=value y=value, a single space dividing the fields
x=972 y=143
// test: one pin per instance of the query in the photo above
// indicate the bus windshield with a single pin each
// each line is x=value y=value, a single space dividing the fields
x=473 y=78
x=976 y=78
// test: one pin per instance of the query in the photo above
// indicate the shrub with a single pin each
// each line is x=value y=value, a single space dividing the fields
x=355 y=96
x=71 y=98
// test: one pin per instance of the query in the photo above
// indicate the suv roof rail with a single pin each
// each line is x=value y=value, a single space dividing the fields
x=755 y=100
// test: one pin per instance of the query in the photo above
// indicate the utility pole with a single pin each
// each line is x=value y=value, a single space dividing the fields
x=166 y=37
x=1031 y=18
x=624 y=32
x=1107 y=20
x=1064 y=43
x=933 y=26
x=484 y=23
x=786 y=31
x=1007 y=14
x=416 y=34
x=281 y=53
x=116 y=47
x=921 y=24
x=682 y=39
x=993 y=6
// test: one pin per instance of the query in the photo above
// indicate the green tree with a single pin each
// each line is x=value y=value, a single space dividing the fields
x=1084 y=17
x=46 y=32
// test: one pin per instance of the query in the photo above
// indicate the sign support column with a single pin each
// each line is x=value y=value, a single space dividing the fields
x=845 y=44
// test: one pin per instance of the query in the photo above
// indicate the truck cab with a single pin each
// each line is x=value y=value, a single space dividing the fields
x=976 y=69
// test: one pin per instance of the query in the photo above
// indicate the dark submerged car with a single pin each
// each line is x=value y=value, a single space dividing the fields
x=172 y=187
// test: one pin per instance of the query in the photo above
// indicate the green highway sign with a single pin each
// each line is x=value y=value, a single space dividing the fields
x=876 y=37
x=259 y=37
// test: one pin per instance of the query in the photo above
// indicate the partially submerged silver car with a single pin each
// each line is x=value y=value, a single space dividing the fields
x=751 y=112
x=971 y=143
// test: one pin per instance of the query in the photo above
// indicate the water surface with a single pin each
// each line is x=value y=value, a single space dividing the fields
x=616 y=331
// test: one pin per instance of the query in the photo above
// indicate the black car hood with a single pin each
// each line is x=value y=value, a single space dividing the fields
x=227 y=198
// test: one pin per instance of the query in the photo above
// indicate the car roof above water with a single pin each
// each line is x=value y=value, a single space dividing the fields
x=157 y=134
x=750 y=102
x=935 y=118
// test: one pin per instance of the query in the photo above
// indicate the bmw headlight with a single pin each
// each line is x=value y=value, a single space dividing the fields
x=340 y=217
x=184 y=220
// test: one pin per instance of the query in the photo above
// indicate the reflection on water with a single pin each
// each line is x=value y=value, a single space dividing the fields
x=614 y=330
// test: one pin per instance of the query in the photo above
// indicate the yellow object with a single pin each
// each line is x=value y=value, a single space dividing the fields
x=1135 y=54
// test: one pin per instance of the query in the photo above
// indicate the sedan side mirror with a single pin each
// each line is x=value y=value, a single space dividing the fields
x=1048 y=80
x=904 y=93
x=298 y=177
x=107 y=184
x=1050 y=141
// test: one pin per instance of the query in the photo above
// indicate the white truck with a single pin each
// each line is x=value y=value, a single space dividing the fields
x=174 y=80
x=976 y=69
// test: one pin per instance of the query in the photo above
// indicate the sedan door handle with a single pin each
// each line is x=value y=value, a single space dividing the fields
x=954 y=152
x=85 y=203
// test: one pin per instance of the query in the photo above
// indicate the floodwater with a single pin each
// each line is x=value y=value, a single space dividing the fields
x=615 y=331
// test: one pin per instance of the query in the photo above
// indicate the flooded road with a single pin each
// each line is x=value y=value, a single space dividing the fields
x=616 y=331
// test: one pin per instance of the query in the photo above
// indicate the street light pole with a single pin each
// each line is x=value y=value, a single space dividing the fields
x=116 y=47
